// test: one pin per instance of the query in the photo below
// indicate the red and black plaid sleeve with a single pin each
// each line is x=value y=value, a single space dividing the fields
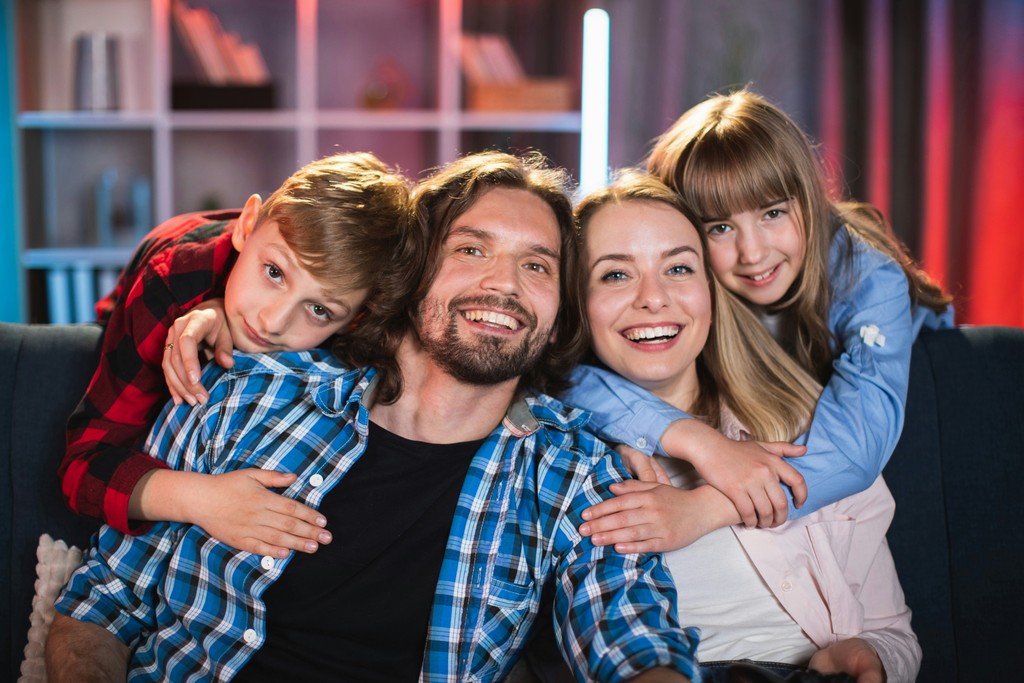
x=179 y=264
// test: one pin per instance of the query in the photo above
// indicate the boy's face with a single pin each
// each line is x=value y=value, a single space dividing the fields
x=273 y=303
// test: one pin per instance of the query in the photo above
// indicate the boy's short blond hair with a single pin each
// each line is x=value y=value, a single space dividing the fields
x=344 y=216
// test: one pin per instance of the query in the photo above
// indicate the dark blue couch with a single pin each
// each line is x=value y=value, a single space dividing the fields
x=957 y=475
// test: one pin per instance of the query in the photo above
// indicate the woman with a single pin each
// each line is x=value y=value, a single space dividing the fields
x=824 y=277
x=819 y=592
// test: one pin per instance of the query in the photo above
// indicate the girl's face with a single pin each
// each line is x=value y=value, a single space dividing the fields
x=648 y=299
x=758 y=254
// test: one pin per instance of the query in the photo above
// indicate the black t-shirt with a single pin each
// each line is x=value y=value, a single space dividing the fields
x=358 y=609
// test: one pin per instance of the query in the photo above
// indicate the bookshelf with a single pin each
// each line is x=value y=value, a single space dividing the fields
x=384 y=76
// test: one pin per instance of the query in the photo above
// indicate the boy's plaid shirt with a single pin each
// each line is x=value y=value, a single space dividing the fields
x=190 y=606
x=180 y=263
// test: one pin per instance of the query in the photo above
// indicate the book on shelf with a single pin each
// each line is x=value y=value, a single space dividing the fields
x=220 y=57
x=254 y=70
x=180 y=18
x=496 y=80
x=473 y=66
x=489 y=58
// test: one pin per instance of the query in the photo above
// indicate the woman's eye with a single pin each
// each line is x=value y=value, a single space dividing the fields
x=718 y=229
x=680 y=270
x=773 y=213
x=613 y=276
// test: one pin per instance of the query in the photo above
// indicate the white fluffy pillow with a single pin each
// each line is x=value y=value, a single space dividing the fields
x=55 y=564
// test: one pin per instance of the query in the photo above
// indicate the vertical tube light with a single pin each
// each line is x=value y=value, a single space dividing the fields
x=594 y=104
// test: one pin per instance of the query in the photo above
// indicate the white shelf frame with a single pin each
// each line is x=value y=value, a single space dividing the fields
x=447 y=122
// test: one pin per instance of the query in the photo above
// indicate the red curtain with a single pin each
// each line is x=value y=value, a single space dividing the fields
x=933 y=134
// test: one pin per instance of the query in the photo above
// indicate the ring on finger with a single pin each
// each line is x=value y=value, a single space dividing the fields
x=169 y=347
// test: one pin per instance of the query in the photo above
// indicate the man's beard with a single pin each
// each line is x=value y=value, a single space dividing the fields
x=486 y=359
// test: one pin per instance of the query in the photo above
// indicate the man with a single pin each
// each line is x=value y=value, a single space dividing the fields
x=459 y=522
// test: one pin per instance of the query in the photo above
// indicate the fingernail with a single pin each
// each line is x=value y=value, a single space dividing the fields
x=325 y=537
x=587 y=514
x=310 y=547
x=320 y=521
x=193 y=377
x=282 y=553
x=203 y=398
x=585 y=529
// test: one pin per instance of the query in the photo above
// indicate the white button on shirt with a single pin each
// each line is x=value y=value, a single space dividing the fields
x=267 y=562
x=641 y=442
x=249 y=636
x=316 y=480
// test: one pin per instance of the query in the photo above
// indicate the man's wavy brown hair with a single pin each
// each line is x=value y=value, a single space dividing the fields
x=436 y=203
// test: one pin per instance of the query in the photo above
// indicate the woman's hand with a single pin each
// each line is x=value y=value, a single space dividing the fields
x=853 y=656
x=641 y=465
x=204 y=327
x=747 y=472
x=651 y=517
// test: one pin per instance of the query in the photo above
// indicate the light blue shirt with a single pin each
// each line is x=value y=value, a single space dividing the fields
x=859 y=416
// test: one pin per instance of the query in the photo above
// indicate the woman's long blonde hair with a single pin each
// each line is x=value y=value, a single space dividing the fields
x=741 y=365
x=737 y=152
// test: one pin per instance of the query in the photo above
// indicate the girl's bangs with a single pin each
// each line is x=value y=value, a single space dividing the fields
x=722 y=179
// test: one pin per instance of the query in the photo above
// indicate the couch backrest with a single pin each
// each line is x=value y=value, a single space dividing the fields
x=957 y=476
x=44 y=371
x=958 y=479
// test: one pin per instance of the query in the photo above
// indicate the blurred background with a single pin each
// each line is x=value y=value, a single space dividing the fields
x=117 y=114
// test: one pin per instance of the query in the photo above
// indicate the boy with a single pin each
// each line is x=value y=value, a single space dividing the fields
x=292 y=272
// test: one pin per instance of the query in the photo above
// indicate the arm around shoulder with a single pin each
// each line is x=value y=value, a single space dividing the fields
x=82 y=652
x=620 y=411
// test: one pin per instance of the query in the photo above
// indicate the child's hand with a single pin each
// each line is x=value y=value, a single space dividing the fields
x=747 y=472
x=237 y=509
x=853 y=656
x=641 y=465
x=646 y=517
x=205 y=325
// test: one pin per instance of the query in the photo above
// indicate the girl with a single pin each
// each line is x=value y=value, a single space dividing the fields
x=820 y=592
x=823 y=277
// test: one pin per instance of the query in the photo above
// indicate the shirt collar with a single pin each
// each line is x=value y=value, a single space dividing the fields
x=528 y=413
x=337 y=390
x=334 y=389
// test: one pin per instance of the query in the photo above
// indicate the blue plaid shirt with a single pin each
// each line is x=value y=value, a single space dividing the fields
x=190 y=608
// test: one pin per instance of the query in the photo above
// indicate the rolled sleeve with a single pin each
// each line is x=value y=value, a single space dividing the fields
x=116 y=585
x=616 y=613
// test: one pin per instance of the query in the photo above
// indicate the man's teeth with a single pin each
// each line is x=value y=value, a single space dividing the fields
x=493 y=318
x=647 y=333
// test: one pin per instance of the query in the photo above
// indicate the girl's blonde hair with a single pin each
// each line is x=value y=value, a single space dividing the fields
x=741 y=365
x=738 y=152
